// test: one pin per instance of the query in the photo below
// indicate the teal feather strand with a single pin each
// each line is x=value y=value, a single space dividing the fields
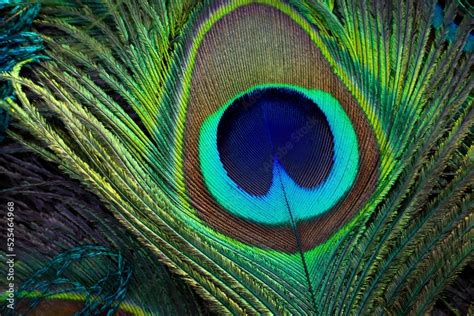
x=16 y=44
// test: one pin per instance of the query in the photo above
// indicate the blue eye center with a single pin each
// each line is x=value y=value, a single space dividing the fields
x=274 y=128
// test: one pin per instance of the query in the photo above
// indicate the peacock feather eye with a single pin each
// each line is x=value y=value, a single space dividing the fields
x=277 y=152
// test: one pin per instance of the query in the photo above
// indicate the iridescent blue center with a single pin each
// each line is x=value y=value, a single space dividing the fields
x=275 y=126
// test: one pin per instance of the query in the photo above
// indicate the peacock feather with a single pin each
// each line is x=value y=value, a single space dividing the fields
x=280 y=157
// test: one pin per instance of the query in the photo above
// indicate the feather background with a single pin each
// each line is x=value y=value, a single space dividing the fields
x=189 y=122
